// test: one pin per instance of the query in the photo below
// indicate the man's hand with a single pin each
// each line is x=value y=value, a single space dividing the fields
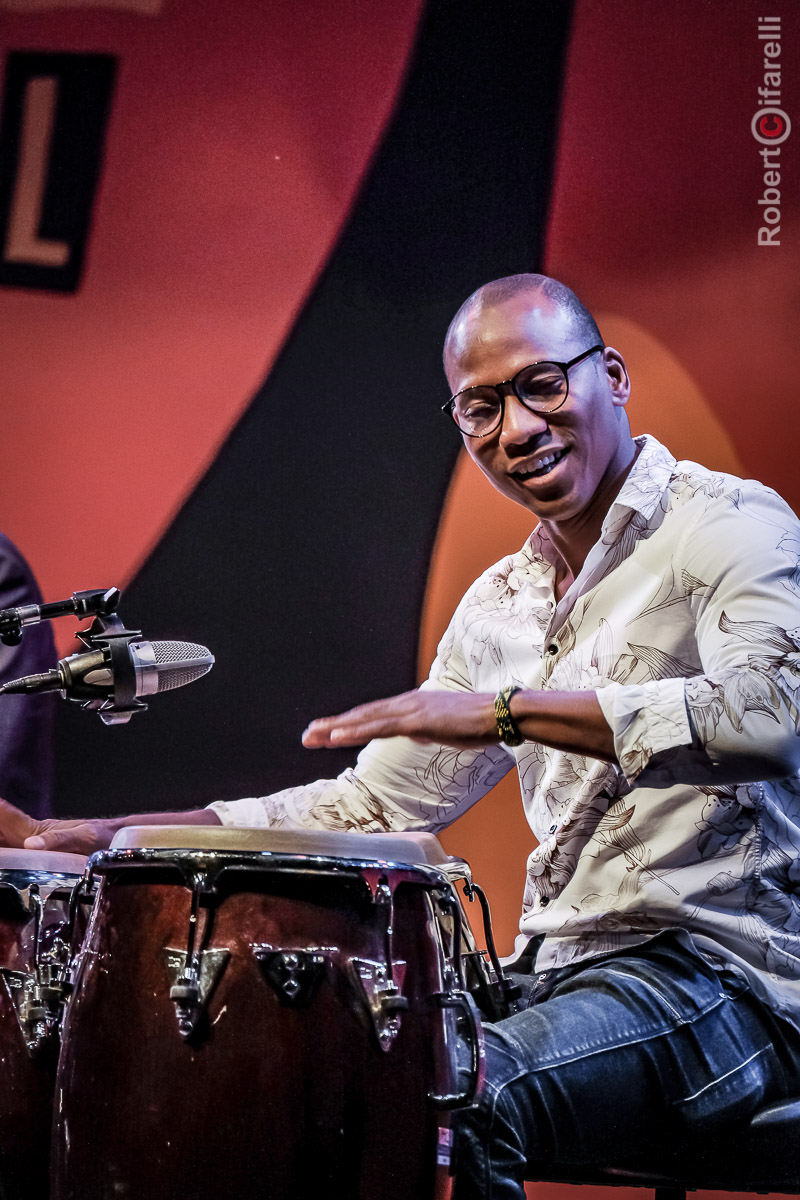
x=75 y=837
x=84 y=836
x=462 y=719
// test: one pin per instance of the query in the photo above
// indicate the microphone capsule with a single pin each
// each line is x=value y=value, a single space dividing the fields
x=161 y=666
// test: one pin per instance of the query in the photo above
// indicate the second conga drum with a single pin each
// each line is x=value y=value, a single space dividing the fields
x=35 y=934
x=264 y=1014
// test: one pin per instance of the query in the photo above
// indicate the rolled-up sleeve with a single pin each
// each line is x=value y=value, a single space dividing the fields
x=737 y=720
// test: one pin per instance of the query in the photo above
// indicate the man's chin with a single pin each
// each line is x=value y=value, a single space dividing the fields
x=548 y=504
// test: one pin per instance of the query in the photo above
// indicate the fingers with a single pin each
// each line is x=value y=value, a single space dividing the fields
x=340 y=731
x=18 y=829
x=462 y=720
x=15 y=825
x=381 y=718
x=67 y=837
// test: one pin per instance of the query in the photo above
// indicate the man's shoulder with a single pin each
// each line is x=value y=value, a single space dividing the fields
x=690 y=480
x=687 y=480
x=716 y=517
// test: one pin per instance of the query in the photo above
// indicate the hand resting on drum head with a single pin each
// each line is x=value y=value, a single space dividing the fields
x=84 y=835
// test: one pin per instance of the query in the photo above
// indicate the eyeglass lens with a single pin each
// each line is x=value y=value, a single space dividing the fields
x=541 y=387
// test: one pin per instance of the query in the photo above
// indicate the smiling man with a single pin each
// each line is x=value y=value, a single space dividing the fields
x=639 y=661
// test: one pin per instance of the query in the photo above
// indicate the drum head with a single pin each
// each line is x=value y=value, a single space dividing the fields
x=54 y=862
x=419 y=849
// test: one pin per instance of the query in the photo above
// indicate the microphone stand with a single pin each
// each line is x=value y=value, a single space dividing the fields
x=96 y=602
x=106 y=634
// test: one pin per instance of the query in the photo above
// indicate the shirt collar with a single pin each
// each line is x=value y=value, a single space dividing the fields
x=646 y=481
x=641 y=492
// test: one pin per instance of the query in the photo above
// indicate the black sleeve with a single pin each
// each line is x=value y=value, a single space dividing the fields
x=26 y=722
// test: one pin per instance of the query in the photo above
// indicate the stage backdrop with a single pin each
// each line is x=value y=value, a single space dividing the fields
x=232 y=237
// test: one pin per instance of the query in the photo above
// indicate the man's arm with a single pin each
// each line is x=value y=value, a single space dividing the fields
x=395 y=785
x=569 y=721
x=83 y=836
x=735 y=722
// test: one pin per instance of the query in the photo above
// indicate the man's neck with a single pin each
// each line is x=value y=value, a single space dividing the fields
x=573 y=539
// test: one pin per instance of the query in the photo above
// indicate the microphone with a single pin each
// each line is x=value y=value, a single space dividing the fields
x=112 y=677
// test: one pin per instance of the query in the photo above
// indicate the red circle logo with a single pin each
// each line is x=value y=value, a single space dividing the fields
x=771 y=126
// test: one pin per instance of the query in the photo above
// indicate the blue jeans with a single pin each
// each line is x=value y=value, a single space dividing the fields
x=616 y=1061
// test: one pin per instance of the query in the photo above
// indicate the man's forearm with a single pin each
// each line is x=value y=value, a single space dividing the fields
x=198 y=816
x=570 y=721
x=106 y=827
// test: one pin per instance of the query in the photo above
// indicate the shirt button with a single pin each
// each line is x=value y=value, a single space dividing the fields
x=552 y=648
x=541 y=978
x=553 y=828
x=544 y=900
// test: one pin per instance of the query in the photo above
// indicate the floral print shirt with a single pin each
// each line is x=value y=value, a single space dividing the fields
x=686 y=621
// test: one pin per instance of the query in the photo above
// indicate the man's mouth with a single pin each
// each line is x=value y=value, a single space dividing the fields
x=540 y=466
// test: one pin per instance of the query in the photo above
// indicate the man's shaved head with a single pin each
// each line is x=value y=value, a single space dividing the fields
x=510 y=286
x=561 y=463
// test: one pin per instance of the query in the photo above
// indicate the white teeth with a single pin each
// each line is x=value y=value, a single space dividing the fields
x=539 y=464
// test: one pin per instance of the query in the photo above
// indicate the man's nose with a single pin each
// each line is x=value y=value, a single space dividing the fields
x=519 y=423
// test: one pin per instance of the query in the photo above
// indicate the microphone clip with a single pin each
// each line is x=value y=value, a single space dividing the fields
x=108 y=634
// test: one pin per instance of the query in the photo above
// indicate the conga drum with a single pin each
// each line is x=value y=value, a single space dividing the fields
x=264 y=1013
x=35 y=955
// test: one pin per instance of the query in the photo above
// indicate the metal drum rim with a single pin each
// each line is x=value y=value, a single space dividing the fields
x=13 y=876
x=144 y=856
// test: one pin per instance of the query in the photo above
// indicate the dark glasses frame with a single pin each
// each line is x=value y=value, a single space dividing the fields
x=564 y=367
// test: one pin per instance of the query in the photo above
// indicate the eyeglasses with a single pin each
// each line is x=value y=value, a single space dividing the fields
x=542 y=387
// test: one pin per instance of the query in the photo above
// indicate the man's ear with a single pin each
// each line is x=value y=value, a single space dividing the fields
x=618 y=378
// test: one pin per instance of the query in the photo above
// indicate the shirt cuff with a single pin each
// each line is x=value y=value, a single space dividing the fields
x=250 y=813
x=646 y=719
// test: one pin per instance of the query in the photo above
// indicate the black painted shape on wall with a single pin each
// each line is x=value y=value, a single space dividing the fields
x=55 y=110
x=302 y=557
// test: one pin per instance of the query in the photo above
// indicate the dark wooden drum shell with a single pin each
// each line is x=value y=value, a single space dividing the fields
x=280 y=1084
x=35 y=890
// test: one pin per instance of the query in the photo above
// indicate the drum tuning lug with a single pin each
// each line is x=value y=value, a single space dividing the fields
x=186 y=991
x=393 y=1002
x=38 y=1032
x=185 y=995
x=37 y=1007
x=38 y=1017
x=385 y=1002
x=191 y=987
